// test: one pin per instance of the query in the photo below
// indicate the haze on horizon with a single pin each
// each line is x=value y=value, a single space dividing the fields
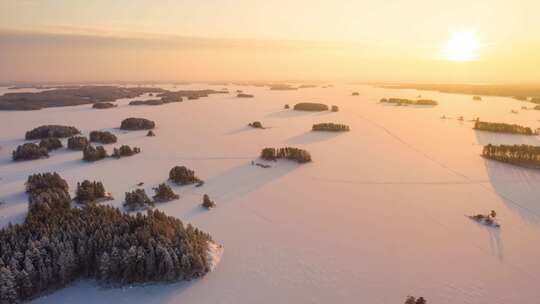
x=370 y=40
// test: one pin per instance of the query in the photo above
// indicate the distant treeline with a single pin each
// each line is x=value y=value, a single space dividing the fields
x=57 y=244
x=514 y=154
x=500 y=127
x=419 y=102
x=506 y=90
x=100 y=95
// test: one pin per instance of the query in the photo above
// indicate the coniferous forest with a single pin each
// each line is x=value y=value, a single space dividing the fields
x=525 y=155
x=57 y=244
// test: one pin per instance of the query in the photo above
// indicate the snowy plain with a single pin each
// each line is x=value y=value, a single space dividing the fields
x=378 y=215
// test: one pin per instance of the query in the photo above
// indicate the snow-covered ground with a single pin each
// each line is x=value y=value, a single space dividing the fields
x=378 y=215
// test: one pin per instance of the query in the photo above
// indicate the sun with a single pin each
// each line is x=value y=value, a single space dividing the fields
x=462 y=46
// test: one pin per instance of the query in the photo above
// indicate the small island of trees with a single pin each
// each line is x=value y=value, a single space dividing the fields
x=124 y=151
x=256 y=125
x=522 y=155
x=164 y=193
x=57 y=244
x=244 y=95
x=91 y=153
x=149 y=102
x=90 y=192
x=330 y=126
x=29 y=151
x=47 y=131
x=299 y=155
x=404 y=101
x=133 y=123
x=103 y=137
x=310 y=106
x=51 y=143
x=207 y=202
x=103 y=105
x=181 y=175
x=503 y=128
x=77 y=143
x=413 y=300
x=137 y=200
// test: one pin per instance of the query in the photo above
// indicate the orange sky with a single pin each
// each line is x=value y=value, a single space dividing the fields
x=385 y=40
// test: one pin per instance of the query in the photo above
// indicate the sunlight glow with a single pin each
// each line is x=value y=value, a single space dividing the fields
x=462 y=46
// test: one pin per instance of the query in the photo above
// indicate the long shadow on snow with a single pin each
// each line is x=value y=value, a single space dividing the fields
x=312 y=137
x=517 y=186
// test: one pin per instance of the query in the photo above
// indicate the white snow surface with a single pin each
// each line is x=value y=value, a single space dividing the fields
x=378 y=214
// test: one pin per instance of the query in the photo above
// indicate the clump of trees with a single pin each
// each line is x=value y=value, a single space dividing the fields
x=404 y=101
x=133 y=123
x=477 y=98
x=299 y=155
x=244 y=95
x=29 y=151
x=57 y=244
x=287 y=106
x=103 y=105
x=310 y=106
x=104 y=137
x=329 y=126
x=137 y=200
x=256 y=124
x=525 y=155
x=51 y=131
x=40 y=182
x=413 y=300
x=335 y=108
x=150 y=133
x=207 y=202
x=77 y=143
x=355 y=94
x=183 y=176
x=503 y=128
x=164 y=193
x=88 y=192
x=91 y=153
x=125 y=150
x=535 y=100
x=51 y=143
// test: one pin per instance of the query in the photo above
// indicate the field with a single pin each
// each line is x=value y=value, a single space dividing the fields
x=378 y=215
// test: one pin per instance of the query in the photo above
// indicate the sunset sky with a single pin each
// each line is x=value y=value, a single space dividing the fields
x=360 y=40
